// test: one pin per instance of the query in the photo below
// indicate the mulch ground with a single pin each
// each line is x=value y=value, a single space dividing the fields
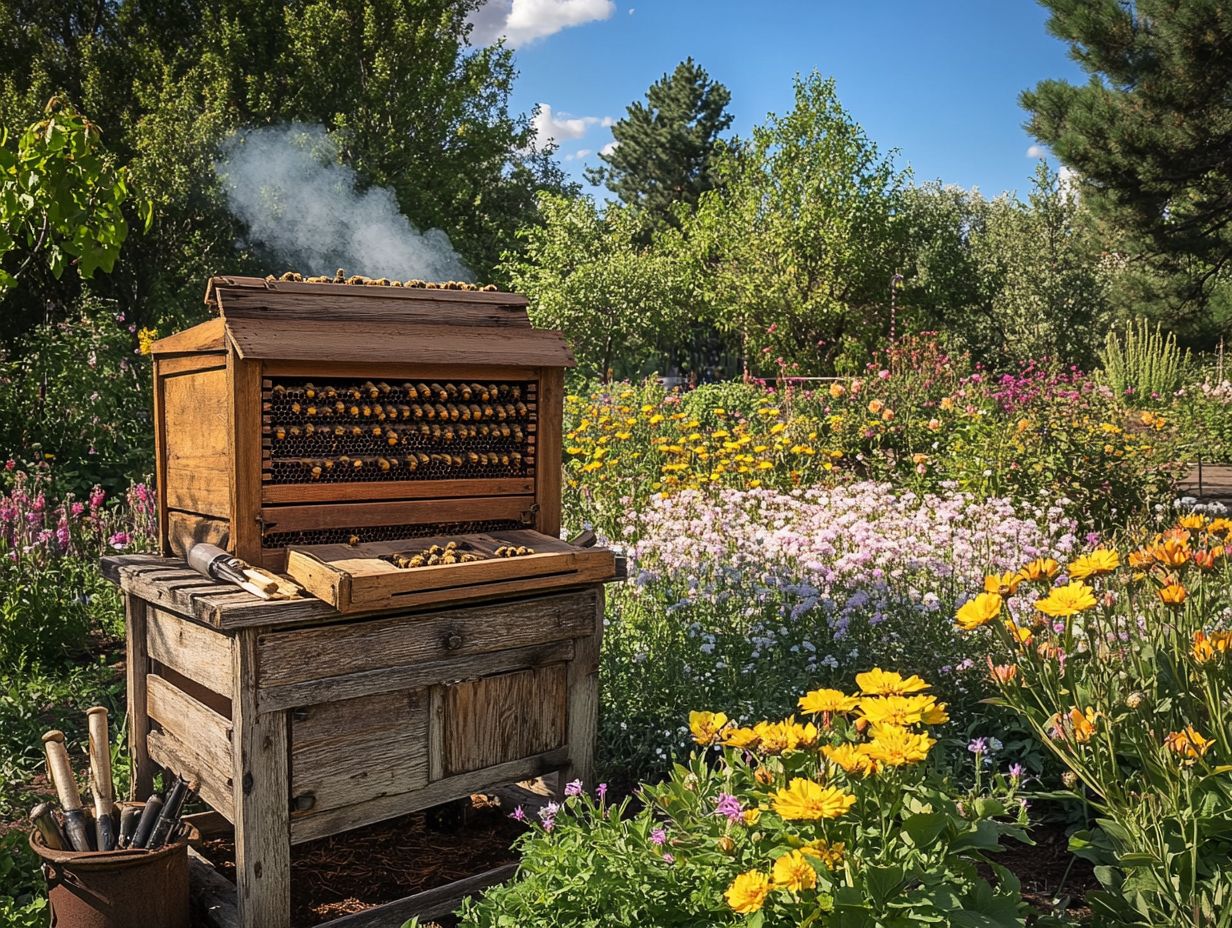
x=380 y=863
x=1051 y=877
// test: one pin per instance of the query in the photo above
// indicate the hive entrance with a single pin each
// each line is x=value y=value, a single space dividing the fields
x=338 y=430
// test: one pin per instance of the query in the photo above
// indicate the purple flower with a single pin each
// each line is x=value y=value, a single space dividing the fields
x=573 y=788
x=119 y=540
x=729 y=806
x=669 y=858
x=601 y=791
x=518 y=814
x=658 y=837
x=1017 y=771
x=978 y=746
x=549 y=811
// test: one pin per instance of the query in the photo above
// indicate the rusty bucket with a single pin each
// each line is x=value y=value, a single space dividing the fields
x=116 y=889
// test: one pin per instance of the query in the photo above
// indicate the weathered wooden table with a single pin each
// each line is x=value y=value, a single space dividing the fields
x=299 y=722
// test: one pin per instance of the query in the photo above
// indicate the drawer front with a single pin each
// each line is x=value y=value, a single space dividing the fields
x=304 y=666
x=502 y=718
x=357 y=750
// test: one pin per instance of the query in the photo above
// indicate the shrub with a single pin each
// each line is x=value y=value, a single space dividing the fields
x=51 y=594
x=785 y=588
x=1146 y=366
x=832 y=822
x=1123 y=667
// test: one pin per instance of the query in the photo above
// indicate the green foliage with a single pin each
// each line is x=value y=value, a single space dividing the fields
x=1147 y=133
x=665 y=147
x=1144 y=367
x=797 y=245
x=588 y=274
x=23 y=903
x=78 y=392
x=60 y=197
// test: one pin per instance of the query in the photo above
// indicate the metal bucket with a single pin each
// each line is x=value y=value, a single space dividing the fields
x=116 y=889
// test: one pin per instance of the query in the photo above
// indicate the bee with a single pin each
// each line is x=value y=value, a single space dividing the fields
x=504 y=459
x=441 y=411
x=392 y=438
x=516 y=458
x=454 y=412
x=448 y=434
x=455 y=460
x=517 y=434
x=315 y=472
x=452 y=390
x=424 y=459
x=429 y=411
x=474 y=458
x=488 y=412
x=355 y=279
x=516 y=392
x=377 y=431
x=404 y=412
x=423 y=391
x=411 y=462
x=353 y=393
x=353 y=540
x=340 y=276
x=329 y=393
x=465 y=412
x=293 y=431
x=521 y=410
x=465 y=391
x=280 y=433
x=278 y=390
x=296 y=408
x=383 y=463
x=504 y=430
x=358 y=463
x=310 y=430
x=339 y=431
x=310 y=391
x=357 y=432
x=370 y=388
x=340 y=407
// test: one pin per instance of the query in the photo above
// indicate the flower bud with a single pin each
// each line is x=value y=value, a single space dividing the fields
x=1135 y=699
x=1070 y=779
x=726 y=844
x=764 y=776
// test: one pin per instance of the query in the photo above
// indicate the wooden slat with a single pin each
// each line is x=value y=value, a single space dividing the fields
x=369 y=304
x=212 y=895
x=583 y=701
x=395 y=490
x=185 y=758
x=548 y=472
x=206 y=337
x=294 y=518
x=377 y=343
x=358 y=647
x=401 y=370
x=187 y=719
x=311 y=827
x=196 y=651
x=429 y=904
x=350 y=751
x=244 y=382
x=409 y=676
x=185 y=529
x=504 y=717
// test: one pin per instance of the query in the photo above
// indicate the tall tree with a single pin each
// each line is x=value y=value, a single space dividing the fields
x=1150 y=134
x=664 y=150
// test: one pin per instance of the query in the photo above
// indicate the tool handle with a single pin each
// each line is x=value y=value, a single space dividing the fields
x=128 y=825
x=61 y=771
x=43 y=819
x=145 y=826
x=100 y=762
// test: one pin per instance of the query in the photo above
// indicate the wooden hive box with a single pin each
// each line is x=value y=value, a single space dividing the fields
x=298 y=416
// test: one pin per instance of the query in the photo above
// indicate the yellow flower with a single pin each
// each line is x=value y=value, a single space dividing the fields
x=1220 y=526
x=849 y=758
x=1040 y=569
x=829 y=854
x=1173 y=594
x=836 y=390
x=947 y=403
x=793 y=871
x=751 y=816
x=804 y=800
x=706 y=726
x=743 y=738
x=656 y=419
x=979 y=611
x=1005 y=584
x=895 y=746
x=875 y=406
x=747 y=893
x=785 y=736
x=1098 y=562
x=816 y=702
x=1067 y=600
x=1171 y=552
x=145 y=339
x=1187 y=743
x=878 y=682
x=903 y=710
x=1194 y=522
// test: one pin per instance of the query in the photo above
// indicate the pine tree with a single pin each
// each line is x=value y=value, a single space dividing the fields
x=665 y=146
x=1150 y=134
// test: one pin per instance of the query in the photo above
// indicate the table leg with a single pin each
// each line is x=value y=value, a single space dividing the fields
x=583 y=696
x=143 y=768
x=262 y=799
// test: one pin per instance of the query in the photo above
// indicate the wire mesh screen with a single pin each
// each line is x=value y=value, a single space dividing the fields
x=344 y=431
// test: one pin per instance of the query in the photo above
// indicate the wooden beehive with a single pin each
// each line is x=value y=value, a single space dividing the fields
x=316 y=413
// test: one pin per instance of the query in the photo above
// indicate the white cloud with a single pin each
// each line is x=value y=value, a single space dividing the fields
x=522 y=21
x=608 y=148
x=557 y=127
x=1036 y=151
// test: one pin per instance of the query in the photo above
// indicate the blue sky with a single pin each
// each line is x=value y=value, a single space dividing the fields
x=936 y=79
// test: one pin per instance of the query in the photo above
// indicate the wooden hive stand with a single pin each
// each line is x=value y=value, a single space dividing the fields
x=300 y=722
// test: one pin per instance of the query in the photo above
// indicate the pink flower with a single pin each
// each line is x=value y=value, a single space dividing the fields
x=97 y=495
x=119 y=540
x=658 y=837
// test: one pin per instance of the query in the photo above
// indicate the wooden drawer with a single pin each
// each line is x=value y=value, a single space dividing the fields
x=306 y=666
x=503 y=718
x=356 y=750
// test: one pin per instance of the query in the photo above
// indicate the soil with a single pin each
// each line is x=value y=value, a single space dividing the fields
x=1051 y=877
x=380 y=863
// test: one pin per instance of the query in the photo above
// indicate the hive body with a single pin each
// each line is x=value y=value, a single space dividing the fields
x=310 y=413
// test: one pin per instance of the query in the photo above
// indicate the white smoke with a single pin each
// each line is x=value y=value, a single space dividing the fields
x=287 y=186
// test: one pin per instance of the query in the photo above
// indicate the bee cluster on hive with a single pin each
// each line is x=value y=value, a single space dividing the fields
x=359 y=280
x=356 y=536
x=345 y=431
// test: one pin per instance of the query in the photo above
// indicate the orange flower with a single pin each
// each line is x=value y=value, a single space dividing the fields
x=1005 y=584
x=1075 y=724
x=1208 y=647
x=1187 y=743
x=1171 y=552
x=1003 y=674
x=1206 y=560
x=1173 y=594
